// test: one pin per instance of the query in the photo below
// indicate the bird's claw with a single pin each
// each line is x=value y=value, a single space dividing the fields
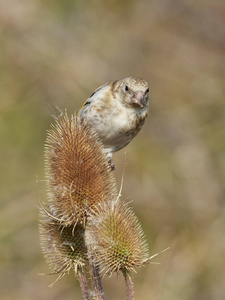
x=112 y=164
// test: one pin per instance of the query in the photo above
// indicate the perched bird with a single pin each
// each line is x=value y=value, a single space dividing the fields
x=117 y=112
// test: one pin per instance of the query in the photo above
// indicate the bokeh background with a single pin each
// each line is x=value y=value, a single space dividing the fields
x=53 y=55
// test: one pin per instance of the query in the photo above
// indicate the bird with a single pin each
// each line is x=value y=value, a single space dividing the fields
x=117 y=111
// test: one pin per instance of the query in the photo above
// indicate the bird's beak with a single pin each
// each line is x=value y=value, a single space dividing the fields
x=139 y=98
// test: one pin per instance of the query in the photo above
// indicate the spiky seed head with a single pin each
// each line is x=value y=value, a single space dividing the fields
x=63 y=247
x=78 y=174
x=116 y=238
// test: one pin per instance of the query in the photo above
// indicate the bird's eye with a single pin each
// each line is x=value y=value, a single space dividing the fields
x=126 y=88
x=147 y=91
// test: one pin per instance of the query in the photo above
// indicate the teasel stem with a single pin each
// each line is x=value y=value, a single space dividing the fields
x=96 y=279
x=129 y=284
x=83 y=284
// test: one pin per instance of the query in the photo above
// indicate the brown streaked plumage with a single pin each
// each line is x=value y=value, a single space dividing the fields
x=117 y=112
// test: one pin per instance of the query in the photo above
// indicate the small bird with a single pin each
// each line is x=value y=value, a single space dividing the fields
x=117 y=111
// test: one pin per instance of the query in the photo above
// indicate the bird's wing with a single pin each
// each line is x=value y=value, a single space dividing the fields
x=93 y=96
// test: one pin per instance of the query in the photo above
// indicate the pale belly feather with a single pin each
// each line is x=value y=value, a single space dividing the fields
x=118 y=129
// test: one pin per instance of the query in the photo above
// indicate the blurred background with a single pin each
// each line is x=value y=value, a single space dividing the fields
x=54 y=54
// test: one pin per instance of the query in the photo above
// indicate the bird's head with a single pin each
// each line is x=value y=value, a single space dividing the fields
x=134 y=92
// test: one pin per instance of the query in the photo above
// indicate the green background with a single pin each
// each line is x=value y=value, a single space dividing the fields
x=54 y=54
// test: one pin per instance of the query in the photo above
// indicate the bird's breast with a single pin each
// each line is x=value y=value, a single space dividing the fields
x=116 y=126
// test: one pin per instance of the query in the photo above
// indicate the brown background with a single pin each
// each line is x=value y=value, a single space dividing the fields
x=54 y=54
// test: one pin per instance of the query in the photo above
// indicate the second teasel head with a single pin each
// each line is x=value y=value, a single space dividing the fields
x=115 y=237
x=63 y=247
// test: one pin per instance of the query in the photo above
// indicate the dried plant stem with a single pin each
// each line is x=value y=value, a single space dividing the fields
x=129 y=284
x=83 y=284
x=96 y=279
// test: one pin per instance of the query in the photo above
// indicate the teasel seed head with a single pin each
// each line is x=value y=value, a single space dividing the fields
x=116 y=239
x=78 y=174
x=63 y=247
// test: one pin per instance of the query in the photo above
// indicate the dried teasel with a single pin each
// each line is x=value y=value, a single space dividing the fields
x=78 y=174
x=63 y=247
x=115 y=238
